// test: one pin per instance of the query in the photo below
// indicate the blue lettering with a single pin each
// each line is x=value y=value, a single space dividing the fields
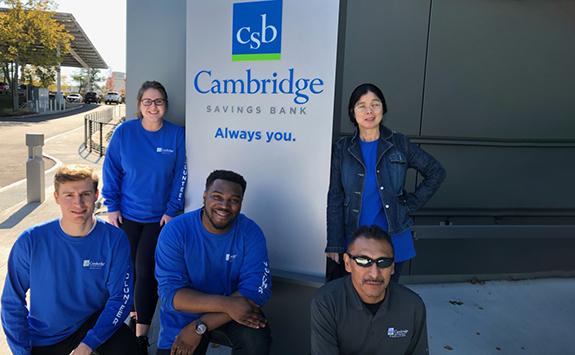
x=313 y=83
x=250 y=84
x=197 y=78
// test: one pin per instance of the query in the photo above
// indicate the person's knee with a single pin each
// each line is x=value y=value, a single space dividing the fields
x=257 y=341
x=122 y=342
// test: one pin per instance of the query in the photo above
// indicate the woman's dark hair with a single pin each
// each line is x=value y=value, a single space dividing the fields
x=227 y=176
x=150 y=85
x=357 y=93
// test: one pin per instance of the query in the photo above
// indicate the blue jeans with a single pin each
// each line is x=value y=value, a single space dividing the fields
x=243 y=340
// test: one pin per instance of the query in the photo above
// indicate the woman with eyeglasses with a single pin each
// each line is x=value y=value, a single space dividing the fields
x=144 y=177
x=367 y=182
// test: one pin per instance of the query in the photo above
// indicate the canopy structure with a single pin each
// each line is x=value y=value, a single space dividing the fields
x=82 y=54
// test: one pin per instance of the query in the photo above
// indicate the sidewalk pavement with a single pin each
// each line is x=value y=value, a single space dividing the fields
x=529 y=317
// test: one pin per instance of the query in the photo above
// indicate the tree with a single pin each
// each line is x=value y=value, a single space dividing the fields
x=88 y=79
x=29 y=35
x=38 y=76
x=46 y=76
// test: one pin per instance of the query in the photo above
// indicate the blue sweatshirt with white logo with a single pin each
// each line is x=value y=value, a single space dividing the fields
x=70 y=279
x=188 y=256
x=145 y=172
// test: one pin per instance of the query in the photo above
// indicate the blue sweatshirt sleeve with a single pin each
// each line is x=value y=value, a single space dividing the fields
x=255 y=280
x=112 y=172
x=14 y=311
x=171 y=271
x=120 y=291
x=176 y=201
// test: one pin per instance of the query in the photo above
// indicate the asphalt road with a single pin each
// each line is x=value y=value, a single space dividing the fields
x=13 y=149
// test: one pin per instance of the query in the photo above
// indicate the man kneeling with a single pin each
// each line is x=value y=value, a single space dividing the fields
x=77 y=269
x=364 y=313
x=213 y=275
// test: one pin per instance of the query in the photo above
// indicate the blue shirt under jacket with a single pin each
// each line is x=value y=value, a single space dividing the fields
x=70 y=279
x=188 y=256
x=145 y=172
x=372 y=211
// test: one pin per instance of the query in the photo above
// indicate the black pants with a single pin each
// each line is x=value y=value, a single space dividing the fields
x=335 y=270
x=143 y=238
x=243 y=340
x=122 y=342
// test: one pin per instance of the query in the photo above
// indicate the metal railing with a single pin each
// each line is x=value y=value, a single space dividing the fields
x=99 y=127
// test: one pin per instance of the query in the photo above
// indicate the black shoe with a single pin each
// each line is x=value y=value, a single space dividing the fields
x=143 y=345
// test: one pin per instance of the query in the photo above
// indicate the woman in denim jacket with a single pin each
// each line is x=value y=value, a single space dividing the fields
x=367 y=182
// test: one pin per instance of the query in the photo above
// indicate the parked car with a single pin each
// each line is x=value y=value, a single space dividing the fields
x=113 y=97
x=92 y=97
x=74 y=98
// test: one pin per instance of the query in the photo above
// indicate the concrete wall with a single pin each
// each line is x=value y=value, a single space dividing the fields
x=156 y=50
x=485 y=86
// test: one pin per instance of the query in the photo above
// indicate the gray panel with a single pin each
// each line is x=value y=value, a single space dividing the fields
x=501 y=69
x=505 y=178
x=156 y=50
x=480 y=255
x=385 y=43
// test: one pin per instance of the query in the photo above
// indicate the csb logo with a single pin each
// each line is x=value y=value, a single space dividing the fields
x=257 y=31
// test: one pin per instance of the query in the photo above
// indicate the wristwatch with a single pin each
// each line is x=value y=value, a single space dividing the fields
x=201 y=327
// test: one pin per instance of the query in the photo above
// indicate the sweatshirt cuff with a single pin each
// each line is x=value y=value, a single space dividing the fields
x=112 y=207
x=91 y=340
x=171 y=212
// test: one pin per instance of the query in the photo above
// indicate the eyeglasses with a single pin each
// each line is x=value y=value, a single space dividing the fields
x=157 y=102
x=365 y=261
x=374 y=107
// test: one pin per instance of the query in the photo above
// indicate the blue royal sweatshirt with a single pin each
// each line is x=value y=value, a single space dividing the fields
x=145 y=172
x=70 y=279
x=188 y=256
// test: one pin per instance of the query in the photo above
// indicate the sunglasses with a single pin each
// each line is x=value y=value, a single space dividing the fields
x=365 y=261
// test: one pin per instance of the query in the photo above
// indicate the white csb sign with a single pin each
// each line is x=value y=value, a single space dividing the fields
x=260 y=83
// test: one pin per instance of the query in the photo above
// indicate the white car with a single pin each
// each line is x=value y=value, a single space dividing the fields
x=74 y=98
x=113 y=96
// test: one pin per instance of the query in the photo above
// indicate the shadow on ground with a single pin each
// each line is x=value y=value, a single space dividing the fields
x=48 y=117
x=19 y=215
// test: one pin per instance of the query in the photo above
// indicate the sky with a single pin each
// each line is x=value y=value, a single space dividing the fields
x=104 y=22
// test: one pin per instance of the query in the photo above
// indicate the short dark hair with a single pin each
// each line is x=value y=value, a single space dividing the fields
x=371 y=232
x=357 y=93
x=151 y=85
x=228 y=176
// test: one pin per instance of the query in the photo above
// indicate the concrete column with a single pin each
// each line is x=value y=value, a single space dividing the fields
x=35 y=185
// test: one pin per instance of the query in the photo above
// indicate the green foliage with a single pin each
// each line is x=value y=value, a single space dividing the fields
x=30 y=35
x=88 y=79
x=38 y=76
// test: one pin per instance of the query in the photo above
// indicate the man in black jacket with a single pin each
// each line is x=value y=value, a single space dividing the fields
x=364 y=313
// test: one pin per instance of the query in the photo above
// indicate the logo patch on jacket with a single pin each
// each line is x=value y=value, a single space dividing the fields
x=164 y=150
x=93 y=265
x=397 y=333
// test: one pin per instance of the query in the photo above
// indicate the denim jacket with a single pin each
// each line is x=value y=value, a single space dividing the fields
x=395 y=154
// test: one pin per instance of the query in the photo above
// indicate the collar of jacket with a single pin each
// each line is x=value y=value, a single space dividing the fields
x=385 y=143
x=356 y=302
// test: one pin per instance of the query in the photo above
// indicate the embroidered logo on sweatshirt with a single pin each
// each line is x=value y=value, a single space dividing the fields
x=396 y=333
x=230 y=257
x=93 y=265
x=164 y=150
